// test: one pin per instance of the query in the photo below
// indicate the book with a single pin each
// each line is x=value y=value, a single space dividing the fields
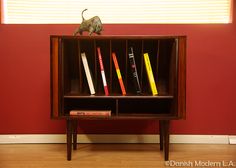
x=88 y=73
x=150 y=74
x=102 y=72
x=134 y=70
x=119 y=76
x=90 y=112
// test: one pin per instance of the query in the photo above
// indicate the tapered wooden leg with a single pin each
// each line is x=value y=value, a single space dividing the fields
x=161 y=134
x=69 y=137
x=166 y=138
x=75 y=126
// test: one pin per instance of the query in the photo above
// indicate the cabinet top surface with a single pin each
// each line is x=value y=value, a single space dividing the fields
x=119 y=36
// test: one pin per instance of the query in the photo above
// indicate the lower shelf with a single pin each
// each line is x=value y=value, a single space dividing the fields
x=126 y=116
x=119 y=107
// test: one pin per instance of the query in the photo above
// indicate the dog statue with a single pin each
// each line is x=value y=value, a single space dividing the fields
x=92 y=25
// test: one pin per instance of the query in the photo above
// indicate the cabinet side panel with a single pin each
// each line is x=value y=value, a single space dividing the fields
x=54 y=78
x=182 y=78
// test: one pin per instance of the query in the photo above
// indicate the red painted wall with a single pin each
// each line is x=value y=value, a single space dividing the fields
x=211 y=79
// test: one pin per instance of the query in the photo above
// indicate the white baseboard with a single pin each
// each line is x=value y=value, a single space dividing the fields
x=116 y=138
x=232 y=140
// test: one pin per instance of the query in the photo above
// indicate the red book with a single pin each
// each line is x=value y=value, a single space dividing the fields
x=102 y=71
x=118 y=74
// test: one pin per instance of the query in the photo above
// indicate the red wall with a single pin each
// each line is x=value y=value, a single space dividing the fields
x=211 y=79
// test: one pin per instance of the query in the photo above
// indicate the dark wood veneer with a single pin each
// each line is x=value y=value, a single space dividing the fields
x=70 y=91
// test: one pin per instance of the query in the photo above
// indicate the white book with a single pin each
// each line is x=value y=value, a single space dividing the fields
x=88 y=73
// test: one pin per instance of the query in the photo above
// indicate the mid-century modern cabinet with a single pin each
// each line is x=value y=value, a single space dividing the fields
x=70 y=90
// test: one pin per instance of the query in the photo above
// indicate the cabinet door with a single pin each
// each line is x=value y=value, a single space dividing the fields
x=181 y=101
x=55 y=77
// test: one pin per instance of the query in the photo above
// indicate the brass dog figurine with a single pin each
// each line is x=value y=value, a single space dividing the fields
x=92 y=25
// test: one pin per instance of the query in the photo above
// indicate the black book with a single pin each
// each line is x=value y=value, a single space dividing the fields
x=134 y=70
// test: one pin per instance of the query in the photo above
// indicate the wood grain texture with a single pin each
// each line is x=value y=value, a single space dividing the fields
x=54 y=76
x=182 y=78
x=109 y=155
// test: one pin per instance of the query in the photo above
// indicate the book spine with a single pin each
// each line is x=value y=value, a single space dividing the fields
x=150 y=74
x=89 y=113
x=134 y=70
x=102 y=72
x=118 y=74
x=88 y=73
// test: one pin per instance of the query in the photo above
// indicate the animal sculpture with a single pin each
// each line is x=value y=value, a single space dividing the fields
x=92 y=25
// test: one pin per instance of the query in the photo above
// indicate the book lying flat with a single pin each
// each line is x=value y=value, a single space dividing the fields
x=88 y=73
x=119 y=76
x=150 y=74
x=90 y=112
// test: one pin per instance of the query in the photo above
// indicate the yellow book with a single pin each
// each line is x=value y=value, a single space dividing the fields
x=150 y=74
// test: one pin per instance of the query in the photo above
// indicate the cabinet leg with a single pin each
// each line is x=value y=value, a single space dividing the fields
x=166 y=124
x=161 y=134
x=69 y=128
x=75 y=127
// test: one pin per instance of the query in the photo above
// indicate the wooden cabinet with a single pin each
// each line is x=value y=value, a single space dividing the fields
x=70 y=90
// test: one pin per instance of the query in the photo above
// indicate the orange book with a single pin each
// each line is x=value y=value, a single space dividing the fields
x=118 y=74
